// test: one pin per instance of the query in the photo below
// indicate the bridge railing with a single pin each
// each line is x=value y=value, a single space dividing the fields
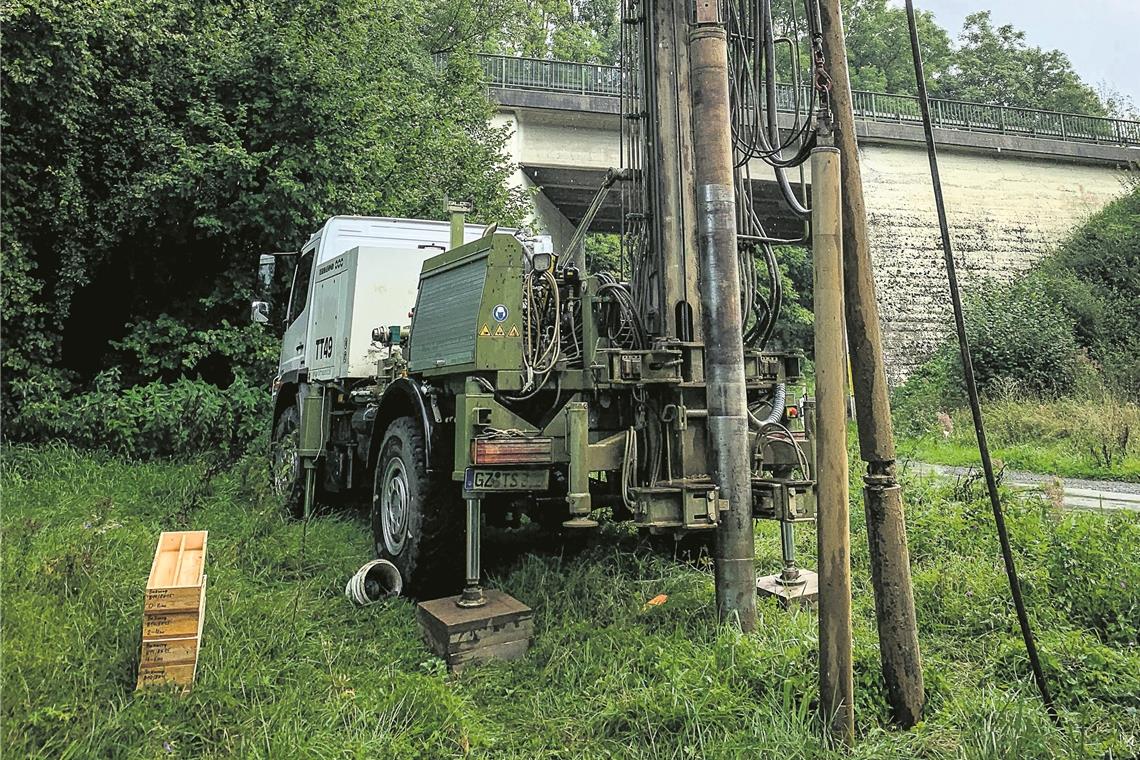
x=552 y=76
x=510 y=72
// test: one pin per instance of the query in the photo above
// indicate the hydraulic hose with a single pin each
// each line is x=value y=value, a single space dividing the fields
x=776 y=413
x=968 y=372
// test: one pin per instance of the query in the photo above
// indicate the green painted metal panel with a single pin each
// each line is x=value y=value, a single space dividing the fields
x=444 y=330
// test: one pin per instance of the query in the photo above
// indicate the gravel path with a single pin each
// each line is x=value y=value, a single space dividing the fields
x=1078 y=493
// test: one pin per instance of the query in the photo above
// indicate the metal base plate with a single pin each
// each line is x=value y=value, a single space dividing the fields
x=501 y=629
x=580 y=522
x=804 y=593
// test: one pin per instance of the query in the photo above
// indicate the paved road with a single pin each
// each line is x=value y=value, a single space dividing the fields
x=1078 y=493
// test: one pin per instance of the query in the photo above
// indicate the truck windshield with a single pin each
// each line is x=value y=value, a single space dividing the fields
x=301 y=276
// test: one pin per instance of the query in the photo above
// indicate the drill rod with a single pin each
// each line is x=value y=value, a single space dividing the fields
x=724 y=347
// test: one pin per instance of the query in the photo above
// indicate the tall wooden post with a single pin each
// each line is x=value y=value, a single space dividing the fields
x=882 y=498
x=836 y=686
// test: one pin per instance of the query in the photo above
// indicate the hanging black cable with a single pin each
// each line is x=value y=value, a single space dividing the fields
x=968 y=371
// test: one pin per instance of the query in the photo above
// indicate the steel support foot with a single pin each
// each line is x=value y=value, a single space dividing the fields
x=790 y=575
x=472 y=595
x=804 y=591
x=582 y=521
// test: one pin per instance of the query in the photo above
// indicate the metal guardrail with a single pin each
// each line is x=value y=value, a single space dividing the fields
x=594 y=79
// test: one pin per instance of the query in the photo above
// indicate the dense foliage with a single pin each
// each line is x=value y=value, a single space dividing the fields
x=567 y=30
x=1068 y=328
x=995 y=65
x=155 y=419
x=987 y=64
x=1077 y=311
x=289 y=668
x=1095 y=280
x=152 y=149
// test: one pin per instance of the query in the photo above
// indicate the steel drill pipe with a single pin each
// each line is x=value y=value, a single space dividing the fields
x=672 y=183
x=836 y=681
x=882 y=497
x=724 y=345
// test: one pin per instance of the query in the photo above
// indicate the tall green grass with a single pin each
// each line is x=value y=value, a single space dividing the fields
x=1094 y=435
x=289 y=668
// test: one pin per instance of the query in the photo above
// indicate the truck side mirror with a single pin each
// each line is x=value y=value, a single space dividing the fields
x=259 y=312
x=266 y=268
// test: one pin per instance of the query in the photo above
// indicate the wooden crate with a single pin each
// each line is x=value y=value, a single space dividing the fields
x=502 y=629
x=174 y=609
x=177 y=573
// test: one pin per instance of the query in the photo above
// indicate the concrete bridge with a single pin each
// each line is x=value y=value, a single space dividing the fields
x=1016 y=181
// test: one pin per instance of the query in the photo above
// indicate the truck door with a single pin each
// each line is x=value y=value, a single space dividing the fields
x=293 y=343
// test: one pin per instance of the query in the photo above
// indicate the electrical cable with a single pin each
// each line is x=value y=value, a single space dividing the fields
x=968 y=372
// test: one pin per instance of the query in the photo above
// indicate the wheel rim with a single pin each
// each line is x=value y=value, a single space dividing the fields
x=395 y=498
x=285 y=462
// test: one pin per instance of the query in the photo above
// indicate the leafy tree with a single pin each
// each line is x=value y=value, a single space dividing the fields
x=995 y=65
x=988 y=64
x=153 y=147
x=878 y=47
x=570 y=30
x=603 y=253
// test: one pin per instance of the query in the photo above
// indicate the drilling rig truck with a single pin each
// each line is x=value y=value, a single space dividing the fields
x=455 y=373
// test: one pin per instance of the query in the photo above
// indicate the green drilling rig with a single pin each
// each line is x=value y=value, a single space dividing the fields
x=524 y=383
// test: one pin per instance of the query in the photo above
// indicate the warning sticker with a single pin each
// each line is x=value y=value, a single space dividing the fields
x=499 y=331
x=514 y=333
x=485 y=330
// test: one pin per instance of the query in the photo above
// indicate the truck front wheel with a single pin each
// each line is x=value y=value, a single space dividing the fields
x=287 y=478
x=416 y=521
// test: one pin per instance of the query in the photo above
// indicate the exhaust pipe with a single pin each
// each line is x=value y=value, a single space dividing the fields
x=378 y=579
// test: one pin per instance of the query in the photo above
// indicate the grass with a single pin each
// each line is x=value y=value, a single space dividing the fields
x=1096 y=438
x=289 y=668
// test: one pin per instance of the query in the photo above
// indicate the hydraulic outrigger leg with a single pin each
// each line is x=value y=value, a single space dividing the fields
x=472 y=595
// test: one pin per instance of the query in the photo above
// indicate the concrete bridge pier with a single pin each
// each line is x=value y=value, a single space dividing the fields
x=547 y=219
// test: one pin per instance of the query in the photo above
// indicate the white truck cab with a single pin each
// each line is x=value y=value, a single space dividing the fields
x=354 y=274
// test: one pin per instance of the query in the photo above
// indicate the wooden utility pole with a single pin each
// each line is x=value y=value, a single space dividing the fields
x=882 y=498
x=833 y=528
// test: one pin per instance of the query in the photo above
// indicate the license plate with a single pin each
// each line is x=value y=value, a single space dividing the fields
x=505 y=480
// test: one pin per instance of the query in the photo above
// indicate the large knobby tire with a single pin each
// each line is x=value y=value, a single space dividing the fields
x=287 y=477
x=416 y=518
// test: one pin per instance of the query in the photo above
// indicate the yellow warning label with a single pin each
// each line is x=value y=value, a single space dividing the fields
x=499 y=331
x=514 y=333
x=485 y=330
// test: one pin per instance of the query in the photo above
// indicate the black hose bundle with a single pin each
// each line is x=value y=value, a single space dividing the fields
x=756 y=98
x=968 y=372
x=623 y=325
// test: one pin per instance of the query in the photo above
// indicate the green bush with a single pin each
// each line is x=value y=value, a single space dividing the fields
x=1069 y=327
x=1019 y=338
x=931 y=387
x=1021 y=344
x=1093 y=574
x=1095 y=278
x=1078 y=668
x=185 y=417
